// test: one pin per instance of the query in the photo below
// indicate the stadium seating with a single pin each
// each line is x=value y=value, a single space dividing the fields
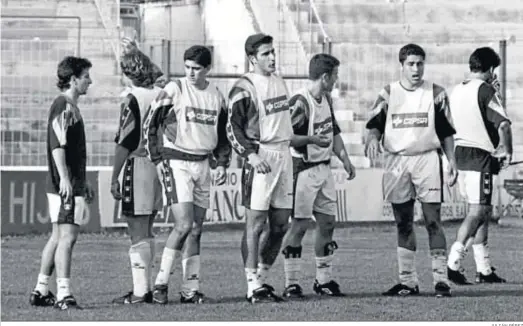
x=366 y=36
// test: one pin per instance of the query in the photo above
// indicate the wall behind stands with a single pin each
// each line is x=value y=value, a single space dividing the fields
x=24 y=202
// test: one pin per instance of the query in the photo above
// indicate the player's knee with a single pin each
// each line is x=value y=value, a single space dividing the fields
x=326 y=222
x=68 y=239
x=196 y=232
x=433 y=226
x=279 y=228
x=299 y=226
x=183 y=227
x=405 y=227
x=292 y=252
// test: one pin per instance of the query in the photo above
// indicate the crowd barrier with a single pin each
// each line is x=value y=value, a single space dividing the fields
x=24 y=202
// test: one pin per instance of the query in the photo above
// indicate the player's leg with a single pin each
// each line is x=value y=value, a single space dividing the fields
x=397 y=189
x=41 y=296
x=139 y=207
x=427 y=177
x=69 y=217
x=305 y=191
x=484 y=271
x=281 y=203
x=256 y=214
x=178 y=188
x=470 y=187
x=325 y=213
x=191 y=255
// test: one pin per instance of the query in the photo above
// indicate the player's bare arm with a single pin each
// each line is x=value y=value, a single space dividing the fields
x=504 y=150
x=445 y=131
x=448 y=149
x=376 y=124
x=66 y=189
x=338 y=148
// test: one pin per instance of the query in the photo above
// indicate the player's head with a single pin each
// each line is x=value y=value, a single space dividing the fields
x=197 y=61
x=260 y=51
x=73 y=73
x=412 y=60
x=139 y=69
x=324 y=68
x=484 y=61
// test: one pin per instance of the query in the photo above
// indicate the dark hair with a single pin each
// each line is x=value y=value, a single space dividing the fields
x=482 y=59
x=70 y=66
x=139 y=68
x=267 y=39
x=322 y=63
x=410 y=49
x=199 y=54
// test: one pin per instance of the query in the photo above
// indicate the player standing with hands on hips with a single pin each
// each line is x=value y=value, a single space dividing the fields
x=411 y=119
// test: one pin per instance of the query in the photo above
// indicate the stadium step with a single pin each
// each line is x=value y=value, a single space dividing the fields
x=448 y=11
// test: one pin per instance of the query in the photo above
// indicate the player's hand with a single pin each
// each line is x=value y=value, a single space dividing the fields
x=372 y=148
x=220 y=176
x=453 y=173
x=503 y=156
x=115 y=190
x=89 y=193
x=320 y=140
x=259 y=164
x=350 y=169
x=66 y=189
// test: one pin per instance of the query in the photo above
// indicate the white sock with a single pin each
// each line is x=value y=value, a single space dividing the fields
x=252 y=280
x=63 y=288
x=42 y=285
x=324 y=269
x=439 y=266
x=150 y=281
x=140 y=256
x=407 y=267
x=263 y=273
x=169 y=257
x=481 y=256
x=191 y=275
x=457 y=253
x=292 y=267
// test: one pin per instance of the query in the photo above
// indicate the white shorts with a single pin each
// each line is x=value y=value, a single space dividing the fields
x=60 y=213
x=476 y=187
x=274 y=189
x=314 y=191
x=413 y=177
x=141 y=188
x=186 y=182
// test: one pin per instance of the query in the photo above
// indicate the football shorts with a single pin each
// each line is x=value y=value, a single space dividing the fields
x=274 y=189
x=141 y=189
x=314 y=191
x=413 y=177
x=476 y=187
x=71 y=212
x=185 y=182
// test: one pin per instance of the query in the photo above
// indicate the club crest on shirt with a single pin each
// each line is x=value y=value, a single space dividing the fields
x=410 y=120
x=206 y=117
x=275 y=105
